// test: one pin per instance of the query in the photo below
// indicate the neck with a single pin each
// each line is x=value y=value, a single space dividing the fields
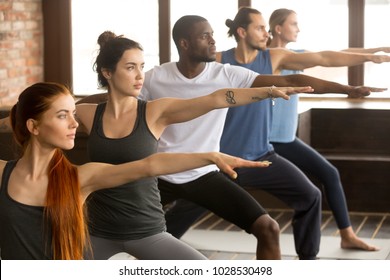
x=190 y=69
x=277 y=42
x=117 y=105
x=35 y=160
x=244 y=54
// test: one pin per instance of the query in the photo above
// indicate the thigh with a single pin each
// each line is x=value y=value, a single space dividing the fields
x=161 y=246
x=103 y=249
x=306 y=158
x=282 y=179
x=222 y=196
x=167 y=193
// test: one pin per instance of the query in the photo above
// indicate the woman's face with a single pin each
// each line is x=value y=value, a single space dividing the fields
x=289 y=30
x=128 y=77
x=57 y=127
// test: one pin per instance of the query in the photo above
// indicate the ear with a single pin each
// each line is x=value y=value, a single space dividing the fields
x=183 y=44
x=241 y=32
x=32 y=126
x=106 y=73
x=278 y=29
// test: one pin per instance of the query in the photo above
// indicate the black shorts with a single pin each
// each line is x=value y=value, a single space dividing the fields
x=217 y=193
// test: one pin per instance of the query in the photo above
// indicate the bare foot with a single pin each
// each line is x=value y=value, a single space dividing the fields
x=357 y=244
x=349 y=240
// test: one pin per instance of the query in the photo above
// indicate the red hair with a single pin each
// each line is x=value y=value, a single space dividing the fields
x=64 y=210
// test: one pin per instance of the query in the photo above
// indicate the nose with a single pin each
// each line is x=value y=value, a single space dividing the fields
x=212 y=41
x=74 y=123
x=140 y=74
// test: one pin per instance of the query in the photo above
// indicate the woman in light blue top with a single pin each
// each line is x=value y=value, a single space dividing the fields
x=283 y=30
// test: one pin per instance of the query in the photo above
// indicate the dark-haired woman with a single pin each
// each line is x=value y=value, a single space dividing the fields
x=125 y=128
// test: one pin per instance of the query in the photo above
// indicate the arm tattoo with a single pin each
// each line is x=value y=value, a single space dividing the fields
x=230 y=97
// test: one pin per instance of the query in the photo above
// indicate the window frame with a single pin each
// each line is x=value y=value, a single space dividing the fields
x=58 y=37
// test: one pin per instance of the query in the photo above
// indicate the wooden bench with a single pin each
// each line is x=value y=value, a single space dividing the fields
x=355 y=137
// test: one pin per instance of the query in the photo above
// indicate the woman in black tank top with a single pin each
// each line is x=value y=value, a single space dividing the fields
x=37 y=188
x=124 y=128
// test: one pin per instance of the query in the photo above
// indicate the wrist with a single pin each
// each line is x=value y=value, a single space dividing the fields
x=270 y=94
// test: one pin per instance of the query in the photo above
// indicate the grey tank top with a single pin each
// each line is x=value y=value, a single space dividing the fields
x=133 y=210
x=22 y=232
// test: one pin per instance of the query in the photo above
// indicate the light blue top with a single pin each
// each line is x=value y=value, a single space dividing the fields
x=285 y=115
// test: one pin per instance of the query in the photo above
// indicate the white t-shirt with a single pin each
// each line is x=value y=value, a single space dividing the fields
x=203 y=133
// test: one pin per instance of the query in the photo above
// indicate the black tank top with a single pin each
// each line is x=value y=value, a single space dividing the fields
x=22 y=232
x=131 y=211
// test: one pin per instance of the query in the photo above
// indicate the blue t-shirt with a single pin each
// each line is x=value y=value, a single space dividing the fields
x=247 y=128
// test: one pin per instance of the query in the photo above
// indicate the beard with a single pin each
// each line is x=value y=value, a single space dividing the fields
x=203 y=58
x=258 y=47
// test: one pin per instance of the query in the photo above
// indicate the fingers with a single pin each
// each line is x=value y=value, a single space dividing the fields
x=303 y=89
x=233 y=175
x=265 y=163
x=248 y=163
x=377 y=89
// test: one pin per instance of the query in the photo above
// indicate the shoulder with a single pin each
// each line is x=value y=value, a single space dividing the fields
x=85 y=113
x=157 y=69
x=93 y=99
x=86 y=109
x=280 y=51
x=218 y=57
x=298 y=50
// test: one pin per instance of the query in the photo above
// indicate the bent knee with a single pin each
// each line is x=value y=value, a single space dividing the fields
x=265 y=227
x=314 y=194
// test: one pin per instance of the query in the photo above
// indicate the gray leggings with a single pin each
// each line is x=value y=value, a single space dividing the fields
x=161 y=246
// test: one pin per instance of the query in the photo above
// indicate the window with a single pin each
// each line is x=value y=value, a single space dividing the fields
x=376 y=35
x=215 y=11
x=323 y=25
x=137 y=20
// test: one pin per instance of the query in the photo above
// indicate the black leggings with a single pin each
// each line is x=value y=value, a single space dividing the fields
x=283 y=180
x=218 y=194
x=315 y=165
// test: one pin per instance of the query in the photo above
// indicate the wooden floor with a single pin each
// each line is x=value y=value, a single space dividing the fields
x=366 y=225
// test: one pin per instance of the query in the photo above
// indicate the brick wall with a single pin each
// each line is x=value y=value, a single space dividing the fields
x=21 y=47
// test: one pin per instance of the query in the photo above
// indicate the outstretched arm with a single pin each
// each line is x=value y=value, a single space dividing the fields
x=319 y=85
x=94 y=176
x=368 y=50
x=303 y=60
x=171 y=110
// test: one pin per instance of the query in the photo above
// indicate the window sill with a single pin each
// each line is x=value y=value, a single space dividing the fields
x=337 y=101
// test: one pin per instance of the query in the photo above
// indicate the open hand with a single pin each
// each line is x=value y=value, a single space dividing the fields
x=380 y=58
x=362 y=91
x=227 y=163
x=284 y=92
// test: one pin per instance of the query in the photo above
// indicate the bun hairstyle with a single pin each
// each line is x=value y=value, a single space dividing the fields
x=111 y=51
x=231 y=25
x=105 y=37
x=242 y=19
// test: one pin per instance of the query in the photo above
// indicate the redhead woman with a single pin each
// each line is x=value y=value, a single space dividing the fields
x=42 y=194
